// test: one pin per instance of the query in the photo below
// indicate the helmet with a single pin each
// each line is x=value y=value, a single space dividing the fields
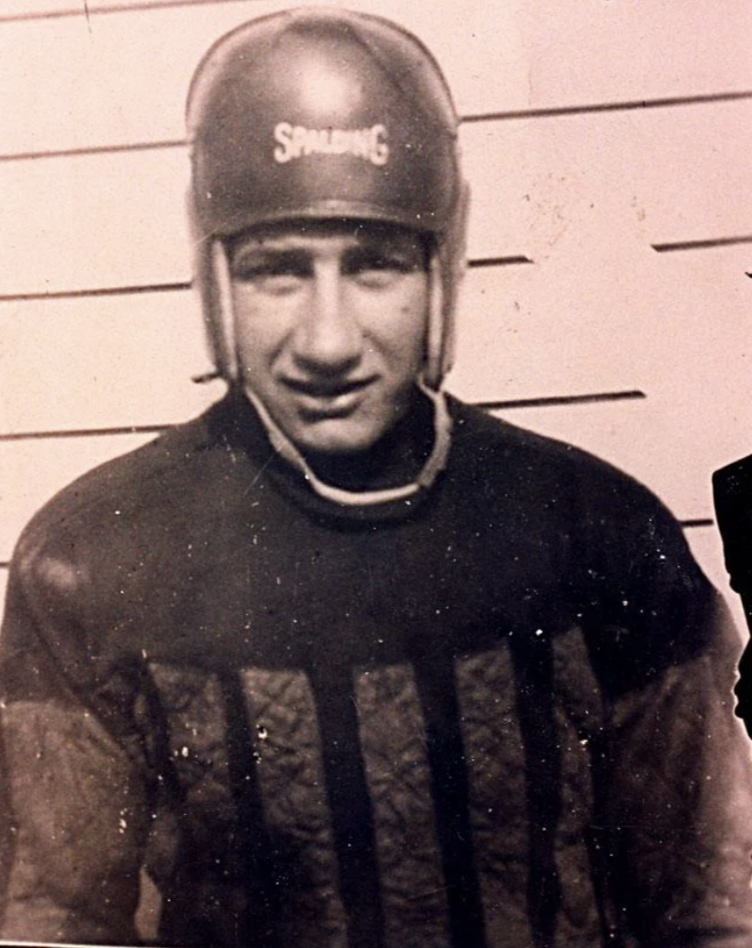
x=324 y=113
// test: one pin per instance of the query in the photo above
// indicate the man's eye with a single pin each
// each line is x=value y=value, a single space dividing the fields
x=270 y=277
x=379 y=270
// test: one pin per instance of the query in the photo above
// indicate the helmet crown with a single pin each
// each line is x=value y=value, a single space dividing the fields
x=321 y=113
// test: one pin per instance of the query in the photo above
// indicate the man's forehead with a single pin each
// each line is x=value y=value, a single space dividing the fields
x=307 y=234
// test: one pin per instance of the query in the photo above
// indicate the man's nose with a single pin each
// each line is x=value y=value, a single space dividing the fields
x=328 y=337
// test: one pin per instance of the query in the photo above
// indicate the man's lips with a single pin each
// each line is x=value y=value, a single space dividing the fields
x=326 y=388
x=320 y=399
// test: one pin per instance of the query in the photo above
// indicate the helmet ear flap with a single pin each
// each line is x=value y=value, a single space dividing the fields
x=433 y=374
x=446 y=273
x=220 y=311
x=211 y=275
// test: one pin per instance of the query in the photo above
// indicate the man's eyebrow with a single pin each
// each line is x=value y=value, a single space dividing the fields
x=265 y=250
x=383 y=256
x=410 y=255
x=388 y=246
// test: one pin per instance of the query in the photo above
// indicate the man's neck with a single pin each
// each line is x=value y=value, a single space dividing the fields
x=397 y=458
x=404 y=461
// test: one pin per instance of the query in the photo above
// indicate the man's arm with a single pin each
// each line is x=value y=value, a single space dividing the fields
x=682 y=807
x=77 y=815
x=678 y=801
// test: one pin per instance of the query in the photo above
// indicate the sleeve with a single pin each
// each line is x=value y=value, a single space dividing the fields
x=75 y=818
x=676 y=791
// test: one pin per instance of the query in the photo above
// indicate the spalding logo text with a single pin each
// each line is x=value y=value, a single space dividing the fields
x=296 y=141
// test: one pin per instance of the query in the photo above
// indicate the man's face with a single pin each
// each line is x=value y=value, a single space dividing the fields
x=330 y=327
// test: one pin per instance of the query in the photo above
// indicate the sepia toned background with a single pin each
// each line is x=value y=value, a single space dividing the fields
x=607 y=303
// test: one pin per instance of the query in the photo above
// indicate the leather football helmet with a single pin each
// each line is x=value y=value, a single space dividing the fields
x=324 y=114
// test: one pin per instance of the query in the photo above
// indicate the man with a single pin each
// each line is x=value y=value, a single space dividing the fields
x=732 y=491
x=345 y=662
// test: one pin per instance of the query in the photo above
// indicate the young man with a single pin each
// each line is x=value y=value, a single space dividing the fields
x=345 y=662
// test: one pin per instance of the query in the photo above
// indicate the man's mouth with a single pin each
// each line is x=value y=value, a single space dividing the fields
x=326 y=388
x=327 y=397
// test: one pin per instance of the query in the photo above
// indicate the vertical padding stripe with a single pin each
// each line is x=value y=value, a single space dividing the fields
x=496 y=771
x=587 y=915
x=350 y=806
x=191 y=712
x=393 y=738
x=221 y=823
x=252 y=840
x=435 y=680
x=532 y=653
x=289 y=763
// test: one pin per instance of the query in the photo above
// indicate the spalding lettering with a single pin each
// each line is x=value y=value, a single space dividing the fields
x=296 y=141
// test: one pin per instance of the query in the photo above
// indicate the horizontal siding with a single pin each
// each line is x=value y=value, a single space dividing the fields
x=33 y=471
x=640 y=437
x=598 y=182
x=94 y=221
x=123 y=76
x=101 y=362
x=642 y=176
x=605 y=318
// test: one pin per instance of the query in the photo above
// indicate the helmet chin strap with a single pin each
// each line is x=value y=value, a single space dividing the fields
x=225 y=352
x=428 y=474
x=435 y=331
x=222 y=314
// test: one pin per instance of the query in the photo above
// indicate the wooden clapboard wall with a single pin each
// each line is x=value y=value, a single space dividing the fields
x=606 y=303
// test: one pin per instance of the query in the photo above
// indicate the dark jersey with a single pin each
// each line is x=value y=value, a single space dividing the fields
x=496 y=714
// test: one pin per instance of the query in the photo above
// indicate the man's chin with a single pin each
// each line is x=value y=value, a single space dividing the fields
x=335 y=438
